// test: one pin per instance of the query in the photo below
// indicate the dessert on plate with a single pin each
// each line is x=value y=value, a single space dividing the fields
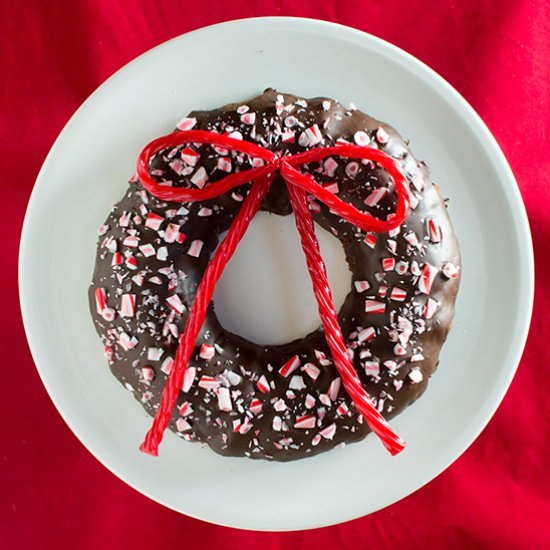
x=159 y=256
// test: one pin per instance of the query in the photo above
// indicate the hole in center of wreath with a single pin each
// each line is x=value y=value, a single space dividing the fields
x=265 y=294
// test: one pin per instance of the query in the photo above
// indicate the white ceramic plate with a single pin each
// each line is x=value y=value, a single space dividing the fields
x=86 y=171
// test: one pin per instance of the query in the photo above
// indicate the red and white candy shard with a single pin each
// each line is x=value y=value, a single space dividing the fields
x=176 y=304
x=398 y=294
x=182 y=425
x=167 y=365
x=415 y=375
x=108 y=314
x=309 y=401
x=322 y=358
x=277 y=424
x=376 y=196
x=352 y=169
x=361 y=138
x=189 y=378
x=171 y=232
x=334 y=389
x=430 y=308
x=125 y=341
x=190 y=156
x=207 y=351
x=330 y=166
x=280 y=405
x=451 y=271
x=186 y=123
x=372 y=368
x=332 y=187
x=382 y=136
x=195 y=248
x=434 y=231
x=401 y=268
x=224 y=164
x=200 y=177
x=147 y=374
x=361 y=286
x=388 y=264
x=328 y=432
x=296 y=383
x=208 y=382
x=290 y=366
x=370 y=240
x=100 y=299
x=255 y=406
x=131 y=241
x=262 y=384
x=374 y=306
x=398 y=349
x=310 y=137
x=154 y=221
x=128 y=305
x=147 y=250
x=248 y=118
x=366 y=335
x=224 y=399
x=342 y=409
x=311 y=370
x=185 y=409
x=426 y=278
x=305 y=422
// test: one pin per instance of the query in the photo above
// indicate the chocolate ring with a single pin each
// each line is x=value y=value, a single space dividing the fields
x=277 y=402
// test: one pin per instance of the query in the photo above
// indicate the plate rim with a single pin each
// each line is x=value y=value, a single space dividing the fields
x=494 y=152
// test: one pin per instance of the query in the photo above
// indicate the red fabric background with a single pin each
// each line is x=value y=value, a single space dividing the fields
x=53 y=55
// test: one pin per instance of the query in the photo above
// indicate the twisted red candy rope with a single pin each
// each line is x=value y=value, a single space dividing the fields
x=298 y=183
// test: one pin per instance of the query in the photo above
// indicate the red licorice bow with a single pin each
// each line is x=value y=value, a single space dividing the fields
x=298 y=183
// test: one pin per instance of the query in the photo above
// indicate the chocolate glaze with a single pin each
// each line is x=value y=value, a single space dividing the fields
x=238 y=364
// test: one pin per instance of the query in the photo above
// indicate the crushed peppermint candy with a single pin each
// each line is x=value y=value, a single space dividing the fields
x=376 y=196
x=305 y=422
x=311 y=370
x=176 y=304
x=366 y=335
x=262 y=384
x=374 y=306
x=188 y=378
x=361 y=286
x=382 y=136
x=434 y=231
x=334 y=389
x=100 y=299
x=153 y=221
x=290 y=366
x=361 y=138
x=128 y=305
x=427 y=278
x=415 y=375
x=328 y=432
x=195 y=248
x=224 y=399
x=451 y=271
x=186 y=123
x=207 y=351
x=311 y=136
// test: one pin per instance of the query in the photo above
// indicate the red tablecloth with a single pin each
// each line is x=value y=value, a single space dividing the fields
x=53 y=493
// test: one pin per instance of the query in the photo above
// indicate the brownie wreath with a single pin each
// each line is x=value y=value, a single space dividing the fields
x=159 y=256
